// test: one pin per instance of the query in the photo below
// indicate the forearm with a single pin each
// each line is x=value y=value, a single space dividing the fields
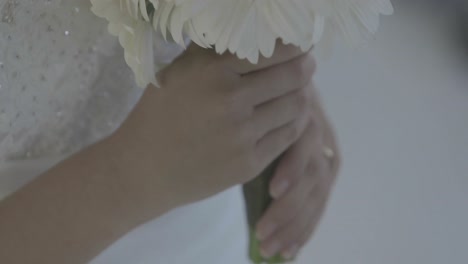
x=72 y=212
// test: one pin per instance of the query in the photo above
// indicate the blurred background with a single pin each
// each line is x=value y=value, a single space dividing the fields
x=400 y=107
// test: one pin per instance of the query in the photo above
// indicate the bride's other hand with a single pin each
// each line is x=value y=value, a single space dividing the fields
x=301 y=186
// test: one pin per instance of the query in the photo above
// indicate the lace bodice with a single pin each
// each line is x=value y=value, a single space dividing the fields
x=63 y=79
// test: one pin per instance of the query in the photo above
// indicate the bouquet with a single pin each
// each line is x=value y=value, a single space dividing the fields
x=247 y=28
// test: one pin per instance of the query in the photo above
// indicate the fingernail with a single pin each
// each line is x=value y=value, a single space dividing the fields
x=271 y=249
x=279 y=189
x=291 y=252
x=265 y=231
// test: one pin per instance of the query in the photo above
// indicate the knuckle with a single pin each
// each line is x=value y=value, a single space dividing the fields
x=303 y=69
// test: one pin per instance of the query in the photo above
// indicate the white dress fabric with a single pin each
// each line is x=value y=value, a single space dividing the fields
x=64 y=84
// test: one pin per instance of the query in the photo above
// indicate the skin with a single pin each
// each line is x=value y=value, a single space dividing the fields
x=301 y=186
x=215 y=115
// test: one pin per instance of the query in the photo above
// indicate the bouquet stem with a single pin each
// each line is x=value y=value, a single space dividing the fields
x=257 y=200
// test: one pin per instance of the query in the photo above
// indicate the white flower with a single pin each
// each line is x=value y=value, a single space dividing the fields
x=129 y=21
x=250 y=27
x=246 y=28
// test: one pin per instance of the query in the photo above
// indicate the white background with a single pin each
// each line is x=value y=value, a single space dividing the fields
x=400 y=108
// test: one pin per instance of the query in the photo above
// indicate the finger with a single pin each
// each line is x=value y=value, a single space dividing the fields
x=287 y=238
x=320 y=194
x=283 y=210
x=278 y=112
x=275 y=142
x=313 y=224
x=262 y=86
x=288 y=206
x=293 y=164
x=282 y=53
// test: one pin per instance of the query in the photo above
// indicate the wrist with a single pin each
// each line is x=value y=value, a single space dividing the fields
x=136 y=177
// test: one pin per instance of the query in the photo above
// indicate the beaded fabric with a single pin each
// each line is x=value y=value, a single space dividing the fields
x=64 y=83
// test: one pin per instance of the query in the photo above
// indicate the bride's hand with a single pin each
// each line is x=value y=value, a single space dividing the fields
x=301 y=186
x=215 y=123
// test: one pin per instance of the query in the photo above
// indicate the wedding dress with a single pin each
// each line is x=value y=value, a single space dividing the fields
x=64 y=84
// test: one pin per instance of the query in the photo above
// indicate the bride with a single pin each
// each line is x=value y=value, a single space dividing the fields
x=95 y=170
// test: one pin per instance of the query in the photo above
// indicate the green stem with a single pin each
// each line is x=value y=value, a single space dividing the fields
x=258 y=199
